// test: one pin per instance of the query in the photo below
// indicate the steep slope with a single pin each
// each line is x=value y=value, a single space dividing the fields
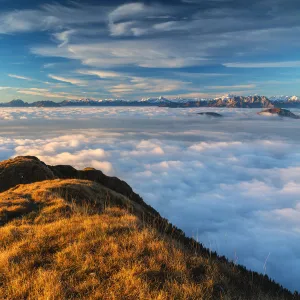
x=79 y=239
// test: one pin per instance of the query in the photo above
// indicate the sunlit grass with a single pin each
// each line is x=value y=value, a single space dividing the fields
x=65 y=249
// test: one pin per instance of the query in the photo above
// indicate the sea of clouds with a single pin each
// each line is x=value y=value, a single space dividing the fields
x=232 y=183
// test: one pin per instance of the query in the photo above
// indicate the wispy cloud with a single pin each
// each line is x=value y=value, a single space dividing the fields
x=224 y=87
x=28 y=79
x=24 y=21
x=64 y=37
x=47 y=94
x=147 y=85
x=147 y=54
x=73 y=81
x=49 y=65
x=50 y=17
x=280 y=64
x=20 y=77
x=117 y=42
x=129 y=19
x=101 y=74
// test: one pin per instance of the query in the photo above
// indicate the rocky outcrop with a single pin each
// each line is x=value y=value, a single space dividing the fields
x=23 y=170
x=279 y=112
x=210 y=114
x=29 y=169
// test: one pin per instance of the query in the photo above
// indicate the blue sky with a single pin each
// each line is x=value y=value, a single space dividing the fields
x=130 y=50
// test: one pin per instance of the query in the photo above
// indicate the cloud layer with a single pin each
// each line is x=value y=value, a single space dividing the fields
x=233 y=184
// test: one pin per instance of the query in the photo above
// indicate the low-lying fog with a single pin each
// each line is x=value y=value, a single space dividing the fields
x=233 y=183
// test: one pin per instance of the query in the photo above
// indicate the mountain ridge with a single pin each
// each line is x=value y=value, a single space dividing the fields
x=229 y=101
x=42 y=195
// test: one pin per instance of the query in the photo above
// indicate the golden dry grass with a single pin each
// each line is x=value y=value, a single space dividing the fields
x=64 y=249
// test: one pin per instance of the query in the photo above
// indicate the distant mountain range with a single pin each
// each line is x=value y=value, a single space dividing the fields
x=231 y=101
x=225 y=101
x=284 y=98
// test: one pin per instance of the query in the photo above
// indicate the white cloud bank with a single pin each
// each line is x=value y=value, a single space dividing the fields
x=233 y=183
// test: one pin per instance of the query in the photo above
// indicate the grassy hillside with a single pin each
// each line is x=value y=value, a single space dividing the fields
x=78 y=239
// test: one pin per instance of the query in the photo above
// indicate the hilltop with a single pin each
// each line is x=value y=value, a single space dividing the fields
x=79 y=234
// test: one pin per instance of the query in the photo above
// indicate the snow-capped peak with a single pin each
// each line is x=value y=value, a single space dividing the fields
x=294 y=98
x=284 y=98
x=226 y=97
x=155 y=100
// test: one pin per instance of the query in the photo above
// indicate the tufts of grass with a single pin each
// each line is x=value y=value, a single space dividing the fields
x=61 y=248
